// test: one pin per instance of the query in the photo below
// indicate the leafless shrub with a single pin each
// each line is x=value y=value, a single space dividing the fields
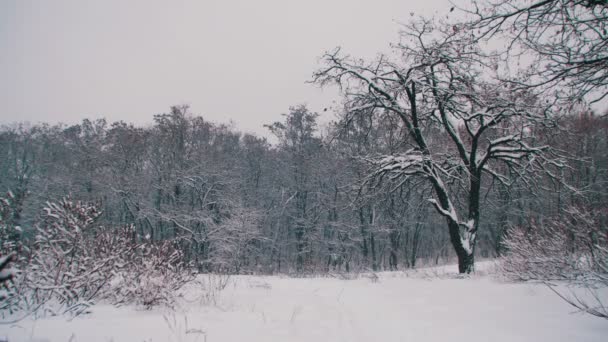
x=592 y=303
x=207 y=288
x=6 y=274
x=63 y=269
x=8 y=250
x=74 y=262
x=571 y=248
x=153 y=275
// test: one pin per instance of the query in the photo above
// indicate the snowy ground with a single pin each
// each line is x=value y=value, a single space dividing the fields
x=396 y=307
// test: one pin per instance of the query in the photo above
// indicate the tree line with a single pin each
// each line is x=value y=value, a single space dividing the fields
x=236 y=203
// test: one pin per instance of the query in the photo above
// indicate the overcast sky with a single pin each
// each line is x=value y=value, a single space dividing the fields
x=245 y=61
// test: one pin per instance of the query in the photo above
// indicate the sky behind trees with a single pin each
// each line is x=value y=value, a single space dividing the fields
x=245 y=61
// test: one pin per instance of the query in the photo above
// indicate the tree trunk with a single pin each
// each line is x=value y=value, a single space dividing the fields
x=299 y=248
x=372 y=241
x=466 y=256
x=466 y=263
x=415 y=244
x=394 y=243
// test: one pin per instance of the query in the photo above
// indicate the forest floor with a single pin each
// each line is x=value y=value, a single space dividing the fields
x=426 y=305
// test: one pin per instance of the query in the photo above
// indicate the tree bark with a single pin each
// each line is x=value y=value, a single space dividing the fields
x=466 y=257
x=466 y=263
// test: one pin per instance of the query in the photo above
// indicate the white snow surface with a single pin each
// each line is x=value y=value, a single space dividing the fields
x=427 y=305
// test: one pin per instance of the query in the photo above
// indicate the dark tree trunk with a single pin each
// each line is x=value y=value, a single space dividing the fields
x=466 y=258
x=466 y=263
x=299 y=248
x=372 y=242
x=415 y=244
x=393 y=257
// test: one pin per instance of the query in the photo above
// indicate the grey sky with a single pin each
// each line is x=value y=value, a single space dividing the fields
x=245 y=61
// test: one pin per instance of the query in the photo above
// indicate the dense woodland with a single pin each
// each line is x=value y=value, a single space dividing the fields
x=237 y=203
x=441 y=151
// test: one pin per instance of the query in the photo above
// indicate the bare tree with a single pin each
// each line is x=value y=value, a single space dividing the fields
x=567 y=39
x=442 y=86
x=301 y=147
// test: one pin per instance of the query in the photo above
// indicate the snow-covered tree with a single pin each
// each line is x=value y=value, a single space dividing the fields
x=462 y=126
x=300 y=150
x=234 y=241
x=567 y=41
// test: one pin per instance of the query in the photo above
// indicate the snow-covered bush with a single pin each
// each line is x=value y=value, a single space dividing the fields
x=152 y=275
x=6 y=274
x=571 y=247
x=74 y=262
x=64 y=271
x=10 y=245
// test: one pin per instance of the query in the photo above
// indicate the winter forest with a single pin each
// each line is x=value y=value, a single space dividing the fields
x=452 y=151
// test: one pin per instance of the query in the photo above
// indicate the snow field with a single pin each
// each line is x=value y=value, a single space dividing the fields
x=398 y=306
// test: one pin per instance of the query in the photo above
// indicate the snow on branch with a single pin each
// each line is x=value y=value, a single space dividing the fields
x=510 y=148
x=449 y=212
x=396 y=166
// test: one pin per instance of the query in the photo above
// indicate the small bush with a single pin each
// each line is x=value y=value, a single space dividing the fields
x=573 y=247
x=153 y=275
x=74 y=262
